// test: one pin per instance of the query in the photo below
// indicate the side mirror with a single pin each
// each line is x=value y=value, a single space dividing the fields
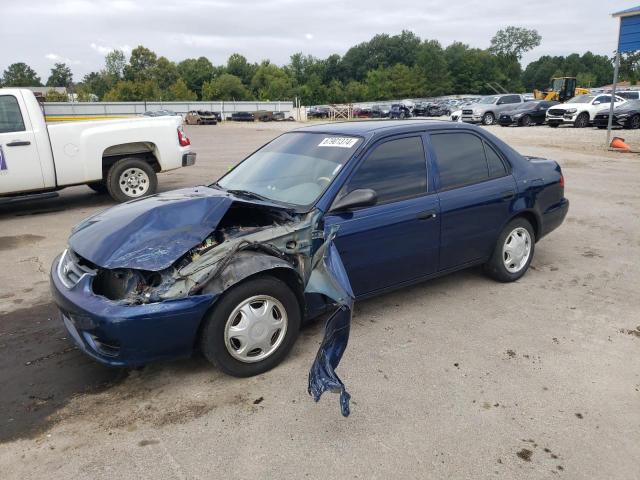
x=597 y=102
x=362 y=197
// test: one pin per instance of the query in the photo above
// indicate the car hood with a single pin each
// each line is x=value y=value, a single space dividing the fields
x=513 y=112
x=153 y=232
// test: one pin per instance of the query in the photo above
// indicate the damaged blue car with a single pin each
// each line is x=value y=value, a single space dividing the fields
x=305 y=225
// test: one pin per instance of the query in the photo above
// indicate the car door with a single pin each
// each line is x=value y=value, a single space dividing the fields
x=395 y=240
x=475 y=190
x=20 y=168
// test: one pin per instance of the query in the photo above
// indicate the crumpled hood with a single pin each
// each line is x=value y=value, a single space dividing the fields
x=153 y=232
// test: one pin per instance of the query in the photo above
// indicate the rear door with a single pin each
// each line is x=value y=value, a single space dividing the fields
x=395 y=240
x=475 y=189
x=20 y=168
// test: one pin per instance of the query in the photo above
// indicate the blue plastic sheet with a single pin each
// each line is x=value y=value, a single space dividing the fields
x=329 y=278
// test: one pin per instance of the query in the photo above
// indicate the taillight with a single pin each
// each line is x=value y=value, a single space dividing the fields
x=183 y=139
x=562 y=180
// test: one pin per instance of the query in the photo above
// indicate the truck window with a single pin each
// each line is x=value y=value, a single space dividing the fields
x=10 y=115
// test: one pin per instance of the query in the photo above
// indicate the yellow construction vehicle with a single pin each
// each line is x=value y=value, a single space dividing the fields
x=560 y=89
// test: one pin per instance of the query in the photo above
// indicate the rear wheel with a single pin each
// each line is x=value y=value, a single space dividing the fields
x=513 y=252
x=488 y=118
x=131 y=178
x=252 y=328
x=582 y=120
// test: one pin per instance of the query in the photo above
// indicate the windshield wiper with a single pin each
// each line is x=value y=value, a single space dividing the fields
x=249 y=194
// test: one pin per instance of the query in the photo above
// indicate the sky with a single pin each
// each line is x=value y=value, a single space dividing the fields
x=80 y=32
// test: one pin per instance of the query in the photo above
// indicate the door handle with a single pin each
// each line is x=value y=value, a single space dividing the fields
x=426 y=215
x=19 y=143
x=508 y=194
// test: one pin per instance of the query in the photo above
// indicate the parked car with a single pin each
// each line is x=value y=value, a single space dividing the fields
x=487 y=109
x=380 y=111
x=420 y=109
x=438 y=109
x=580 y=111
x=201 y=117
x=318 y=112
x=362 y=112
x=120 y=156
x=233 y=268
x=399 y=110
x=243 y=117
x=525 y=114
x=629 y=94
x=626 y=116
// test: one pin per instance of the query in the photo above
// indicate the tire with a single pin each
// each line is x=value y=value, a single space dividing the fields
x=488 y=119
x=216 y=344
x=633 y=123
x=582 y=120
x=525 y=121
x=517 y=230
x=131 y=178
x=98 y=187
x=402 y=115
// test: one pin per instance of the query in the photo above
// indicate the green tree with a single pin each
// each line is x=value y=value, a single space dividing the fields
x=271 y=82
x=398 y=81
x=130 y=91
x=61 y=76
x=96 y=83
x=432 y=69
x=115 y=61
x=225 y=87
x=355 y=92
x=180 y=92
x=20 y=75
x=196 y=71
x=514 y=41
x=141 y=64
x=165 y=73
x=237 y=65
x=53 y=96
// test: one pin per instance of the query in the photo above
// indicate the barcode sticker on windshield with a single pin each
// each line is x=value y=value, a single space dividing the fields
x=340 y=142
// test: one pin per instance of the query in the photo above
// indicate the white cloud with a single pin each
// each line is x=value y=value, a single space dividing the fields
x=54 y=57
x=308 y=36
x=103 y=50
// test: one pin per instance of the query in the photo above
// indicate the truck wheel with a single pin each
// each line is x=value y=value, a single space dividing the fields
x=488 y=119
x=252 y=328
x=131 y=178
x=513 y=252
x=98 y=187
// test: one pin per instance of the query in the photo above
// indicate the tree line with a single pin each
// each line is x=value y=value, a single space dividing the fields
x=385 y=67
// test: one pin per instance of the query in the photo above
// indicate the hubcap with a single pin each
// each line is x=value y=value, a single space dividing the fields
x=516 y=250
x=255 y=329
x=134 y=182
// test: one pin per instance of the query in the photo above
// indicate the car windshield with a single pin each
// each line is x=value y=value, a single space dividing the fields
x=488 y=100
x=295 y=168
x=582 y=99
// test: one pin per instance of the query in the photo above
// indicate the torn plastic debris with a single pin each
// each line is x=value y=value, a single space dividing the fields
x=329 y=277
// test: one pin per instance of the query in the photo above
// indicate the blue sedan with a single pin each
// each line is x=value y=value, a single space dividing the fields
x=316 y=218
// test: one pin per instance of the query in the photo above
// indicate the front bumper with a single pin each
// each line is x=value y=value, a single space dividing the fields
x=128 y=335
x=566 y=119
x=471 y=118
x=189 y=159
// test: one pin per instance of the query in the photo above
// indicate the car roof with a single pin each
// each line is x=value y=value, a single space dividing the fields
x=367 y=127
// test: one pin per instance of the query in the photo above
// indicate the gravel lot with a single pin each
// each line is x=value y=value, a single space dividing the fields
x=460 y=377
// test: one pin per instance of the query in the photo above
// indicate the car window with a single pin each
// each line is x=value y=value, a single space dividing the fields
x=396 y=170
x=511 y=99
x=460 y=158
x=10 y=115
x=603 y=99
x=494 y=162
x=629 y=95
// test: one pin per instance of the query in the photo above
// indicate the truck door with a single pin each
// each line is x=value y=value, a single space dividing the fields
x=20 y=168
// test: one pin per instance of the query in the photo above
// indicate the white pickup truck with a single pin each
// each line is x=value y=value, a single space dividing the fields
x=121 y=157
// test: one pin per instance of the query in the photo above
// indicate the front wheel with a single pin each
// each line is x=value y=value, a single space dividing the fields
x=252 y=328
x=131 y=178
x=488 y=119
x=513 y=252
x=582 y=121
x=525 y=121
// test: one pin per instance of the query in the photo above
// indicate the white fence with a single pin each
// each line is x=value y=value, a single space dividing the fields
x=102 y=109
